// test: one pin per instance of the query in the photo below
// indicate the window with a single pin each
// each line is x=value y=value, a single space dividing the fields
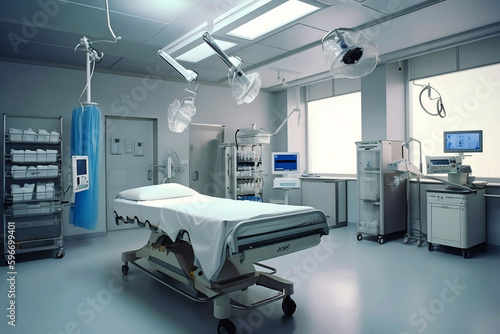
x=472 y=101
x=333 y=127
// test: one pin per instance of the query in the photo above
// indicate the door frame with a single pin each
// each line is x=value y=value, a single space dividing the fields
x=155 y=151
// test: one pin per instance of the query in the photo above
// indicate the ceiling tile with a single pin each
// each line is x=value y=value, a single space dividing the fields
x=145 y=67
x=257 y=53
x=294 y=37
x=50 y=34
x=345 y=15
x=392 y=7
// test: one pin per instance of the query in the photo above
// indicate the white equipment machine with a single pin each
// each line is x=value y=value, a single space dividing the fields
x=456 y=215
x=283 y=164
x=80 y=165
x=456 y=218
x=207 y=248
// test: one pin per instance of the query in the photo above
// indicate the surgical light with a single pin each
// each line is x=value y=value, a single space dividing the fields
x=245 y=88
x=180 y=113
x=349 y=53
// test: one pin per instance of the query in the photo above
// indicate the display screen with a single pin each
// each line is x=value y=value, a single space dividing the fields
x=463 y=141
x=285 y=163
x=81 y=167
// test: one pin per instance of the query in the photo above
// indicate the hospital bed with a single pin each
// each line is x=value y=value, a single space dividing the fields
x=208 y=248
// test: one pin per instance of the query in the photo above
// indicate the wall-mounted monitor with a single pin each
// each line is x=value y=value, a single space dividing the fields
x=463 y=141
x=80 y=167
x=285 y=163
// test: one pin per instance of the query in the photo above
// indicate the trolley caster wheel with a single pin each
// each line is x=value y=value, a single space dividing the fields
x=226 y=326
x=381 y=240
x=431 y=247
x=465 y=253
x=406 y=239
x=359 y=236
x=288 y=306
x=60 y=254
x=125 y=269
x=419 y=243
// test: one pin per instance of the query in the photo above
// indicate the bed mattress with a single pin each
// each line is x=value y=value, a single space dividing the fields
x=209 y=221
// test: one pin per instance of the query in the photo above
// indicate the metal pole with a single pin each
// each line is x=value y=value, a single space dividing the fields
x=89 y=98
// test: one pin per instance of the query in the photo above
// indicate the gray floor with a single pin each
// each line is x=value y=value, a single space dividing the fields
x=341 y=286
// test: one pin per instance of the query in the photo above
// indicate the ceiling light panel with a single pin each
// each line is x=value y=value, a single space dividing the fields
x=273 y=19
x=203 y=51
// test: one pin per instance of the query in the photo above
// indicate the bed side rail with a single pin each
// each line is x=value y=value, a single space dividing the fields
x=249 y=234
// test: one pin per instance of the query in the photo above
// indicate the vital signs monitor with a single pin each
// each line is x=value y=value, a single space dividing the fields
x=80 y=166
x=463 y=141
x=285 y=163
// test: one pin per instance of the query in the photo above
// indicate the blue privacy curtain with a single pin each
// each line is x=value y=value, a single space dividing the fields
x=85 y=139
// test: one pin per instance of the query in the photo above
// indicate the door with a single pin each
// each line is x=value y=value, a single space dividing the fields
x=205 y=159
x=130 y=147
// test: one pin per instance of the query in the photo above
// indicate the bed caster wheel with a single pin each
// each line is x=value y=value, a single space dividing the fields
x=431 y=247
x=359 y=236
x=125 y=269
x=60 y=254
x=288 y=306
x=381 y=240
x=465 y=253
x=406 y=239
x=226 y=326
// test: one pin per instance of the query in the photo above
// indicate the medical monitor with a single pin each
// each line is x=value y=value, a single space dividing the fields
x=80 y=170
x=463 y=141
x=284 y=163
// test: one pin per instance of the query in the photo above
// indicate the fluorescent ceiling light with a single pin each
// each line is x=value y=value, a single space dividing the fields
x=275 y=18
x=214 y=25
x=203 y=51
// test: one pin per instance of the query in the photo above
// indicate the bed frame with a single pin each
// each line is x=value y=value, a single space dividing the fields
x=174 y=262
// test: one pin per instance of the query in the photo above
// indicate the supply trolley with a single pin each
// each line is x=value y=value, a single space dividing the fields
x=456 y=218
x=31 y=185
x=381 y=203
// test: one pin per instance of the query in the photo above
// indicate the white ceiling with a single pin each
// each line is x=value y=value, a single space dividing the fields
x=47 y=31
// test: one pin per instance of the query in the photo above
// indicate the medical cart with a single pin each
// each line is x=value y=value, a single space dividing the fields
x=456 y=218
x=381 y=203
x=31 y=186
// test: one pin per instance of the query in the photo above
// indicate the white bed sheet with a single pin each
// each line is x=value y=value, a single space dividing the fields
x=208 y=220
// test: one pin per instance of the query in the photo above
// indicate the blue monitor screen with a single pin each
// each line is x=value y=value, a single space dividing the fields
x=463 y=141
x=81 y=167
x=285 y=163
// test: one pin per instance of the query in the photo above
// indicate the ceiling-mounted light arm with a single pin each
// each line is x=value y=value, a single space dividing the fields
x=285 y=120
x=210 y=41
x=245 y=87
x=189 y=75
x=233 y=63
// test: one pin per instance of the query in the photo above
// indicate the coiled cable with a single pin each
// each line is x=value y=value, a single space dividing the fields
x=440 y=110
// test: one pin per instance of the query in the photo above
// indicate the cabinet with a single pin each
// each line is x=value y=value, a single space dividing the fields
x=31 y=185
x=456 y=218
x=244 y=179
x=381 y=201
x=327 y=195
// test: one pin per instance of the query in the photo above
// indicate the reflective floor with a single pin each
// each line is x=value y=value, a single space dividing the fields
x=341 y=286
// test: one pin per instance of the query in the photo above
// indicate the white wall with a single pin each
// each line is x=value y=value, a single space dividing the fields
x=34 y=90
